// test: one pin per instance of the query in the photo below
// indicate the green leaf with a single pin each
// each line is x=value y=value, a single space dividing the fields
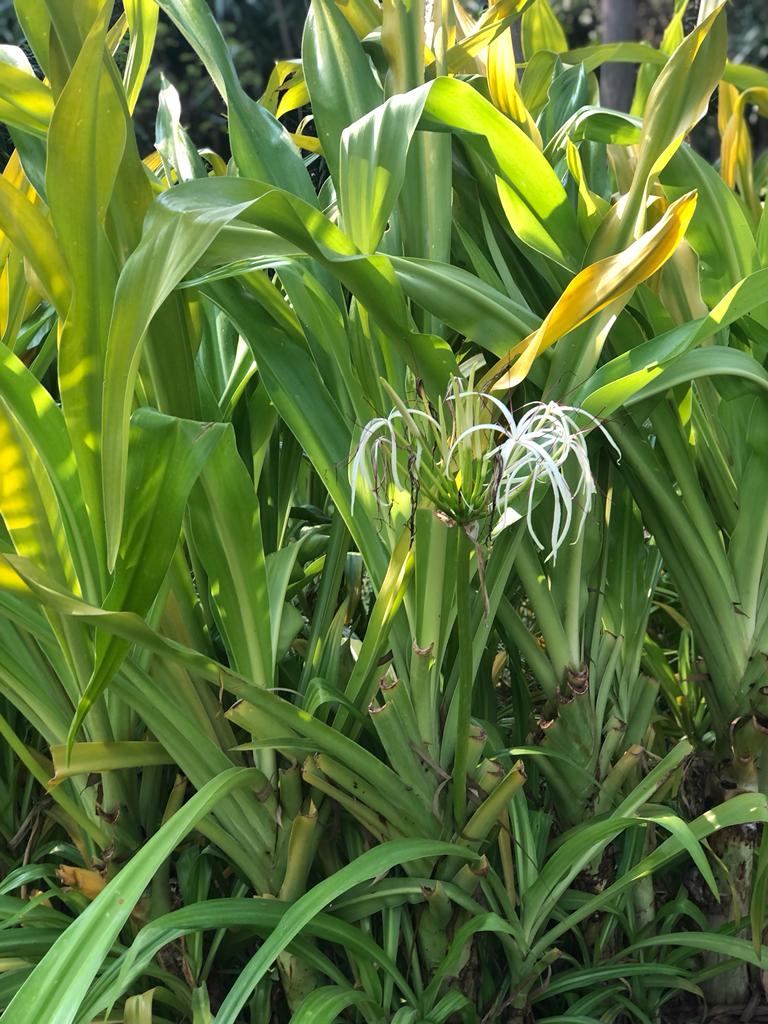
x=79 y=182
x=541 y=30
x=171 y=141
x=536 y=203
x=58 y=985
x=342 y=86
x=36 y=26
x=465 y=303
x=175 y=236
x=262 y=148
x=741 y=809
x=368 y=865
x=680 y=95
x=619 y=380
x=226 y=535
x=705 y=362
x=167 y=456
x=85 y=758
x=324 y=1005
x=264 y=915
x=142 y=16
x=372 y=167
x=25 y=101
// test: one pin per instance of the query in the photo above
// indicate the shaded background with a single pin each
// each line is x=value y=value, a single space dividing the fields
x=262 y=31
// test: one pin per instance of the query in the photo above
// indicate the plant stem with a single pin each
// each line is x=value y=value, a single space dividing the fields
x=466 y=677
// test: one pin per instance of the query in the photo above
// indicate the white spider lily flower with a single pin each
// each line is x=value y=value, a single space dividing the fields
x=368 y=470
x=471 y=468
x=546 y=438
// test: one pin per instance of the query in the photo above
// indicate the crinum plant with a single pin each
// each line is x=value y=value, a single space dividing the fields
x=472 y=462
x=190 y=347
x=477 y=467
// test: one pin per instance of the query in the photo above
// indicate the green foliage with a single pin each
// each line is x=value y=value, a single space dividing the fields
x=415 y=522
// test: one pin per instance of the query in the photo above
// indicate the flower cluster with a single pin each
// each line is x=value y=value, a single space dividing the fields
x=474 y=461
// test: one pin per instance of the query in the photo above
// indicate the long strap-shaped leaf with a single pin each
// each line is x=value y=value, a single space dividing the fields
x=180 y=227
x=262 y=148
x=57 y=986
x=370 y=864
x=595 y=288
x=264 y=915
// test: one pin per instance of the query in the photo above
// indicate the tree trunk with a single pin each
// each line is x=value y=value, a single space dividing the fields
x=617 y=80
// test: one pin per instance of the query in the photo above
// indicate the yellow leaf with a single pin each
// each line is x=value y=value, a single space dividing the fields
x=89 y=883
x=727 y=99
x=736 y=142
x=363 y=15
x=541 y=30
x=11 y=581
x=503 y=86
x=310 y=143
x=25 y=101
x=594 y=288
x=34 y=237
x=281 y=72
x=295 y=96
x=488 y=26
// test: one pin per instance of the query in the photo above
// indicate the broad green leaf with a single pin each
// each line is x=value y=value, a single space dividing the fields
x=175 y=236
x=36 y=25
x=372 y=166
x=680 y=95
x=465 y=303
x=705 y=362
x=541 y=30
x=341 y=83
x=623 y=377
x=79 y=184
x=537 y=205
